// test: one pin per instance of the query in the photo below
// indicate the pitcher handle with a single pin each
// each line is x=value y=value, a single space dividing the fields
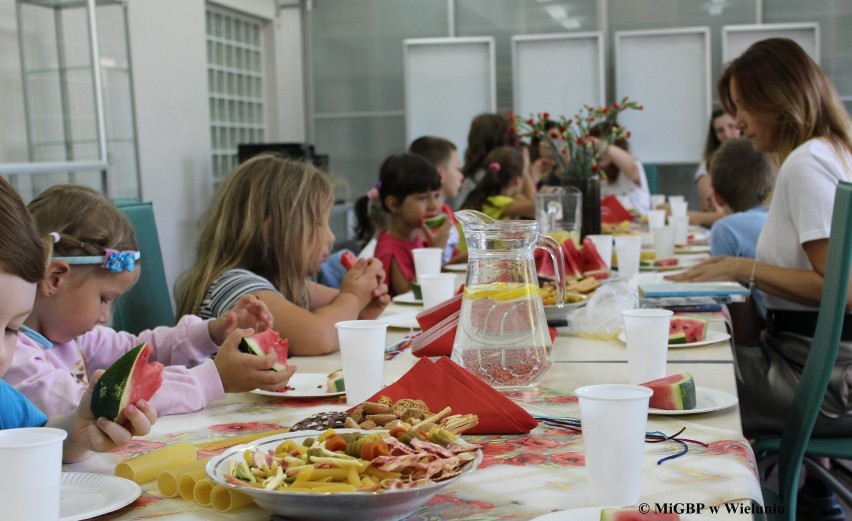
x=555 y=250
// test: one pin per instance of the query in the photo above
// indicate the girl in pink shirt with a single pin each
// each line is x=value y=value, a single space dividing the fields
x=63 y=342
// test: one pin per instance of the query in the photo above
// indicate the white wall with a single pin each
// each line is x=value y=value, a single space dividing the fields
x=13 y=130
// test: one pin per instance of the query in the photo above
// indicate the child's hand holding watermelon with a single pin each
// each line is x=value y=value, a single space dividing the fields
x=87 y=433
x=248 y=313
x=437 y=230
x=242 y=372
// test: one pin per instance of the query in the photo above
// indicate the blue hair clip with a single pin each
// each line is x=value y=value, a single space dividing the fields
x=113 y=260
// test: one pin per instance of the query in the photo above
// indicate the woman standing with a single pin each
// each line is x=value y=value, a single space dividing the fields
x=786 y=106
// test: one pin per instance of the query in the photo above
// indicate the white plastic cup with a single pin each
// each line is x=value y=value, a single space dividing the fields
x=664 y=242
x=676 y=198
x=657 y=200
x=603 y=243
x=437 y=288
x=656 y=218
x=681 y=229
x=679 y=208
x=646 y=333
x=614 y=418
x=627 y=251
x=31 y=484
x=427 y=261
x=362 y=350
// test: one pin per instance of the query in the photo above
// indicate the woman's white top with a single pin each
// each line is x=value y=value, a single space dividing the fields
x=631 y=195
x=801 y=209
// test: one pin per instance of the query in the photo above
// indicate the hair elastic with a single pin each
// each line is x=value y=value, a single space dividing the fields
x=56 y=237
x=373 y=193
x=494 y=165
x=113 y=260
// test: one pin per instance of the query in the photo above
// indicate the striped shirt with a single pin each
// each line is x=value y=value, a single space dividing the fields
x=226 y=291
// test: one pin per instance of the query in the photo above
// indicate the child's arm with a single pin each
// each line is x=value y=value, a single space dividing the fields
x=242 y=372
x=519 y=208
x=396 y=280
x=311 y=331
x=87 y=433
x=625 y=162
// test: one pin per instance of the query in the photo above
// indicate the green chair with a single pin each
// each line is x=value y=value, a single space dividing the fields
x=653 y=177
x=148 y=303
x=795 y=446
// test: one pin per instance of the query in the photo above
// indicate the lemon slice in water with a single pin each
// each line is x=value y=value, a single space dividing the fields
x=501 y=291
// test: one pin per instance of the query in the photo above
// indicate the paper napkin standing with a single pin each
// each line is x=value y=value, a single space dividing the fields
x=613 y=212
x=443 y=384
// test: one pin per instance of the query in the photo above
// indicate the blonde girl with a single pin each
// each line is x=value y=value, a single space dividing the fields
x=506 y=191
x=264 y=235
x=22 y=259
x=64 y=340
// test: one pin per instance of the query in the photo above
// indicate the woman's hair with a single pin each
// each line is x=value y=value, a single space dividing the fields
x=86 y=222
x=266 y=216
x=487 y=132
x=22 y=253
x=782 y=87
x=436 y=150
x=742 y=176
x=611 y=170
x=502 y=165
x=399 y=176
x=712 y=143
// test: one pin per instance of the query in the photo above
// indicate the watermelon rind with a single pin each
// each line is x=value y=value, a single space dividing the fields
x=112 y=391
x=335 y=382
x=436 y=221
x=677 y=338
x=251 y=345
x=674 y=393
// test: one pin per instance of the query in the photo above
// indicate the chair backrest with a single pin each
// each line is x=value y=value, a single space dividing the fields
x=824 y=348
x=148 y=303
x=653 y=176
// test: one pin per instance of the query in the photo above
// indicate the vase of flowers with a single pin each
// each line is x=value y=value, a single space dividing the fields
x=575 y=150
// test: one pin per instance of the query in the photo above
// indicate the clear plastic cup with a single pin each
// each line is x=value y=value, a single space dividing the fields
x=646 y=333
x=681 y=229
x=603 y=243
x=427 y=261
x=656 y=218
x=627 y=250
x=679 y=208
x=614 y=419
x=664 y=242
x=437 y=288
x=30 y=488
x=362 y=350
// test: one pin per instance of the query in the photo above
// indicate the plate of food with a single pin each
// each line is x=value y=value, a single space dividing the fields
x=711 y=337
x=308 y=385
x=408 y=298
x=402 y=321
x=347 y=482
x=706 y=400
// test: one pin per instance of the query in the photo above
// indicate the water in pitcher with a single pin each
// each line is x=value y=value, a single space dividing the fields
x=499 y=338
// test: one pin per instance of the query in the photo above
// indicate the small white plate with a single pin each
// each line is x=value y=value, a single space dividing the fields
x=706 y=400
x=85 y=495
x=407 y=298
x=305 y=385
x=692 y=248
x=402 y=321
x=711 y=337
x=460 y=267
x=573 y=514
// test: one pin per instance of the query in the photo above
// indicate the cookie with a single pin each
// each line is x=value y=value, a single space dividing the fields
x=321 y=421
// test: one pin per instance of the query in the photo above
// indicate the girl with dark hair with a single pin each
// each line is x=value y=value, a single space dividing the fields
x=506 y=191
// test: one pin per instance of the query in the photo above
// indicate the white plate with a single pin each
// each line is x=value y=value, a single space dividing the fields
x=407 y=298
x=85 y=495
x=460 y=267
x=693 y=248
x=573 y=514
x=305 y=385
x=402 y=321
x=711 y=337
x=706 y=400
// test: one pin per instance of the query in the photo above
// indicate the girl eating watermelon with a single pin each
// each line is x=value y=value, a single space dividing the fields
x=63 y=341
x=22 y=259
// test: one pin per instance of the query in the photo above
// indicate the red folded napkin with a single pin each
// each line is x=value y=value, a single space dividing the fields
x=438 y=339
x=444 y=384
x=612 y=211
x=431 y=316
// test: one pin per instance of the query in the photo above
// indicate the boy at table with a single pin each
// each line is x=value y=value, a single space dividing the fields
x=22 y=264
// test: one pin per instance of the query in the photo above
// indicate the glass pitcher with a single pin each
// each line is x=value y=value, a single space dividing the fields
x=502 y=335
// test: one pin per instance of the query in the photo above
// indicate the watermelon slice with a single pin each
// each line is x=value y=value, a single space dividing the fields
x=347 y=260
x=593 y=263
x=335 y=382
x=262 y=343
x=683 y=330
x=129 y=379
x=634 y=514
x=436 y=221
x=573 y=259
x=673 y=393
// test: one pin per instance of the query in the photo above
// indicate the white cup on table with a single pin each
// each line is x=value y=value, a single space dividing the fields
x=627 y=251
x=681 y=229
x=656 y=218
x=31 y=484
x=679 y=208
x=657 y=200
x=362 y=350
x=427 y=261
x=603 y=243
x=664 y=242
x=646 y=333
x=613 y=418
x=437 y=288
x=676 y=198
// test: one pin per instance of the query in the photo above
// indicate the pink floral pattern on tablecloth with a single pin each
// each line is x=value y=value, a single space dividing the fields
x=241 y=427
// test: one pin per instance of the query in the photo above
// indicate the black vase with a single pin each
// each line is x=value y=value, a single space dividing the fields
x=591 y=189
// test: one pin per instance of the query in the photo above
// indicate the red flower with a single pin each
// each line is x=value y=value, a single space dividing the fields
x=136 y=445
x=615 y=106
x=511 y=116
x=734 y=447
x=524 y=458
x=594 y=168
x=240 y=427
x=581 y=141
x=562 y=399
x=605 y=110
x=540 y=443
x=569 y=459
x=641 y=107
x=546 y=115
x=554 y=135
x=497 y=448
x=627 y=135
x=530 y=122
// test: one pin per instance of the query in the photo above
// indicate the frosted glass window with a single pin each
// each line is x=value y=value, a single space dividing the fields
x=235 y=81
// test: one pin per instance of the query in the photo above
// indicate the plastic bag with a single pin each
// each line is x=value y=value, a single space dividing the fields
x=601 y=317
